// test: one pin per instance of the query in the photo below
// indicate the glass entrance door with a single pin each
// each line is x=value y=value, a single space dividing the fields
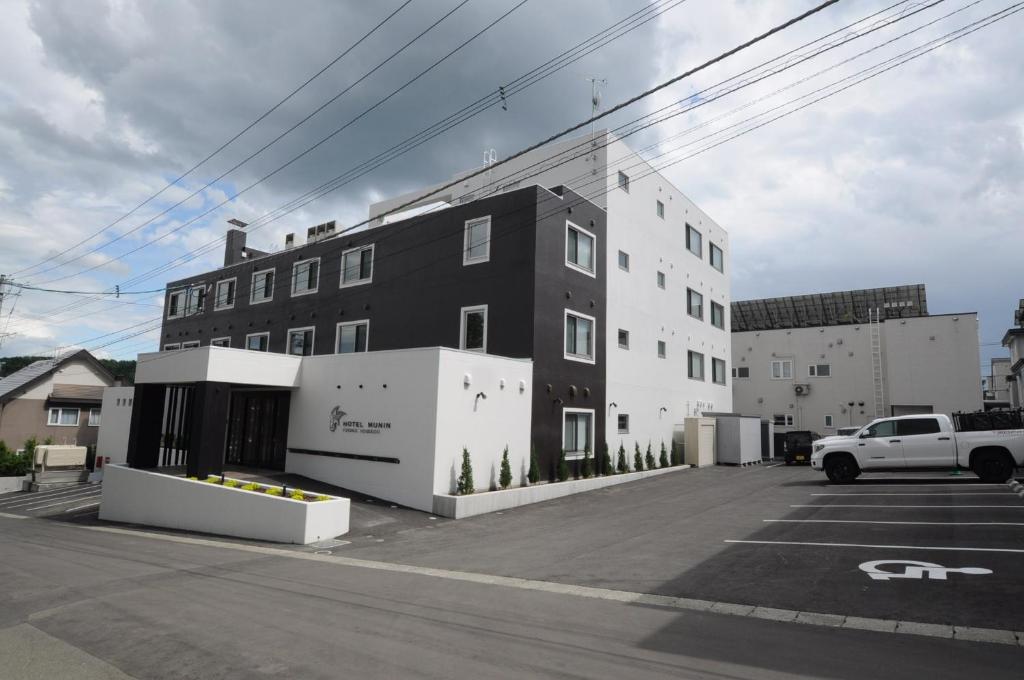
x=258 y=429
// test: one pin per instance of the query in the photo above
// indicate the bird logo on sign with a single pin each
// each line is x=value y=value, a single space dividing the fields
x=336 y=415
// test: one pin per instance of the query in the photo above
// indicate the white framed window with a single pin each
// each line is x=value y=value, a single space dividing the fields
x=623 y=423
x=63 y=417
x=661 y=349
x=718 y=371
x=829 y=420
x=694 y=304
x=694 y=241
x=782 y=369
x=476 y=244
x=170 y=347
x=717 y=315
x=258 y=342
x=221 y=342
x=300 y=341
x=262 y=286
x=191 y=344
x=624 y=181
x=695 y=365
x=306 y=276
x=473 y=328
x=357 y=266
x=623 y=339
x=352 y=336
x=580 y=249
x=195 y=300
x=783 y=419
x=624 y=261
x=661 y=280
x=176 y=304
x=716 y=257
x=579 y=337
x=660 y=209
x=577 y=432
x=819 y=371
x=94 y=417
x=741 y=372
x=224 y=297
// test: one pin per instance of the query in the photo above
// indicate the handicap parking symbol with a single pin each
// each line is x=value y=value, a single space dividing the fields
x=916 y=570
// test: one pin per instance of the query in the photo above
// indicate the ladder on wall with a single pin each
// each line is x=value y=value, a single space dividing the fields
x=874 y=322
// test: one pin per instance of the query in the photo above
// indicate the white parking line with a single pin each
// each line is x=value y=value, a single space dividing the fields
x=82 y=507
x=886 y=507
x=893 y=547
x=61 y=502
x=866 y=521
x=970 y=493
x=20 y=496
x=31 y=501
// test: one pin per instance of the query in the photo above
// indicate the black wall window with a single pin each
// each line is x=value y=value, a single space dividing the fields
x=580 y=248
x=623 y=423
x=306 y=276
x=262 y=286
x=624 y=181
x=195 y=300
x=258 y=342
x=717 y=315
x=300 y=341
x=224 y=297
x=220 y=342
x=694 y=304
x=661 y=349
x=819 y=371
x=717 y=257
x=624 y=261
x=694 y=241
x=741 y=372
x=660 y=209
x=623 y=339
x=579 y=337
x=176 y=304
x=476 y=247
x=473 y=329
x=661 y=280
x=695 y=365
x=577 y=433
x=357 y=266
x=718 y=371
x=352 y=336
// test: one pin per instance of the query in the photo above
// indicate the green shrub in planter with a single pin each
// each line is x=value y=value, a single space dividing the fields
x=621 y=465
x=533 y=476
x=13 y=464
x=663 y=459
x=638 y=459
x=47 y=441
x=606 y=460
x=649 y=458
x=505 y=477
x=563 y=467
x=465 y=485
x=274 y=491
x=231 y=483
x=30 y=447
x=588 y=463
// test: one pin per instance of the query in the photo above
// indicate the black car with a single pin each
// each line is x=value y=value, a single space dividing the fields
x=797 y=446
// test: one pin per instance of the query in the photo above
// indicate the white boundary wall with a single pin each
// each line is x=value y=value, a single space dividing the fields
x=115 y=424
x=142 y=497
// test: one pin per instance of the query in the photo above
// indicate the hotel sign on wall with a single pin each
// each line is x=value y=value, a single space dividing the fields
x=340 y=419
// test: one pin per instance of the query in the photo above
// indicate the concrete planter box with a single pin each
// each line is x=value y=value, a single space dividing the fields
x=458 y=507
x=9 y=484
x=141 y=497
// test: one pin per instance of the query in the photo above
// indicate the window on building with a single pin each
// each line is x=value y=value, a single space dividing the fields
x=661 y=280
x=695 y=365
x=661 y=349
x=694 y=304
x=262 y=286
x=476 y=247
x=820 y=370
x=191 y=344
x=357 y=266
x=694 y=241
x=717 y=315
x=220 y=342
x=829 y=421
x=63 y=417
x=623 y=261
x=577 y=432
x=225 y=295
x=579 y=248
x=195 y=300
x=176 y=304
x=306 y=276
x=623 y=421
x=623 y=339
x=717 y=257
x=624 y=181
x=352 y=336
x=473 y=329
x=783 y=419
x=300 y=341
x=782 y=369
x=94 y=417
x=741 y=372
x=579 y=337
x=258 y=342
x=170 y=347
x=718 y=371
x=660 y=209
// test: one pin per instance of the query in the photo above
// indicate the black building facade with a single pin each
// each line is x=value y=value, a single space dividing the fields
x=520 y=274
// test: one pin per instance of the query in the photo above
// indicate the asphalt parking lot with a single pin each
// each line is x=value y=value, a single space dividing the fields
x=69 y=501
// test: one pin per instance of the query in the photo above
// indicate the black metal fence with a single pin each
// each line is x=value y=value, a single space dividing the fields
x=176 y=431
x=989 y=420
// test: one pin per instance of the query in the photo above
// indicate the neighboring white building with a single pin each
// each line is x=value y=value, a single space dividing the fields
x=1014 y=341
x=841 y=359
x=997 y=388
x=662 y=254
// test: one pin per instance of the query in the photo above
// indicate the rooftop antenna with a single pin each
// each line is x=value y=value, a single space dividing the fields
x=490 y=158
x=595 y=98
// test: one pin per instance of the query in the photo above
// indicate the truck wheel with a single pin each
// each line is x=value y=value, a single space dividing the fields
x=992 y=467
x=841 y=468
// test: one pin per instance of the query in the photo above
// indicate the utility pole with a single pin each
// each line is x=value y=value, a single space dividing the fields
x=3 y=283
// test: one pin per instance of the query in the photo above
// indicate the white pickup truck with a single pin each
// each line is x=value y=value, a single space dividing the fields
x=918 y=443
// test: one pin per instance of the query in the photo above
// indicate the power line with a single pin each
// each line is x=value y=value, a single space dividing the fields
x=223 y=146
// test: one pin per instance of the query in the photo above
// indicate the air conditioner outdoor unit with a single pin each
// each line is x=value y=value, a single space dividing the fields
x=802 y=390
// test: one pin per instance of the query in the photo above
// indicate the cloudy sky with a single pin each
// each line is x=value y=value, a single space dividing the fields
x=915 y=175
